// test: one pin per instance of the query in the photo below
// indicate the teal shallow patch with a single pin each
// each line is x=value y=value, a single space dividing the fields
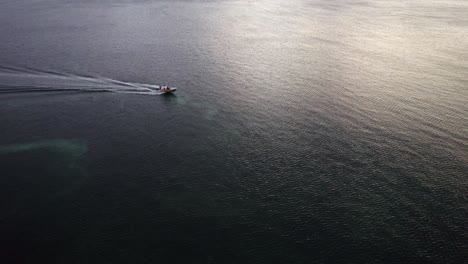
x=74 y=147
x=210 y=110
x=52 y=166
x=71 y=149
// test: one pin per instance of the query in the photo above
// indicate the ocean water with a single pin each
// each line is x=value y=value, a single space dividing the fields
x=302 y=131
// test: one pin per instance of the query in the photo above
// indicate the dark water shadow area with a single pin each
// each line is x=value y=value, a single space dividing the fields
x=37 y=177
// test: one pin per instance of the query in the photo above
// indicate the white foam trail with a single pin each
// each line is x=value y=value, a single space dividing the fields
x=15 y=80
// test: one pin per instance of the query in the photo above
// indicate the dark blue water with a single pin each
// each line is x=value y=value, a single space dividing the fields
x=301 y=131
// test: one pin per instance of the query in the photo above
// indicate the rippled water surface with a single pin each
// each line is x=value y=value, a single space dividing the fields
x=302 y=131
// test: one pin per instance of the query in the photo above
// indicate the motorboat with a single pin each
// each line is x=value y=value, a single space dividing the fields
x=166 y=89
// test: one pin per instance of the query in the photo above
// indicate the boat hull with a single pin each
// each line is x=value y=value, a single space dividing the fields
x=166 y=90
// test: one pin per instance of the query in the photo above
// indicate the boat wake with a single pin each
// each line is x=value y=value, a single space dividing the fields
x=25 y=80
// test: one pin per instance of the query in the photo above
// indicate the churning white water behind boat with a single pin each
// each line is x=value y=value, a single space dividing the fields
x=24 y=80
